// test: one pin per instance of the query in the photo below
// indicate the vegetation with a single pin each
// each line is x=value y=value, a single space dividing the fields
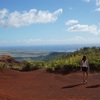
x=61 y=62
x=32 y=65
x=72 y=61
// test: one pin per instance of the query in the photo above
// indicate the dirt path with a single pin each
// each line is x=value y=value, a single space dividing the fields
x=40 y=85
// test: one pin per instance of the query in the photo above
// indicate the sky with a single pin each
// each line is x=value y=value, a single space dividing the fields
x=49 y=22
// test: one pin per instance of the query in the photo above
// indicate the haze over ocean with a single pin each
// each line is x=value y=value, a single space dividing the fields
x=51 y=48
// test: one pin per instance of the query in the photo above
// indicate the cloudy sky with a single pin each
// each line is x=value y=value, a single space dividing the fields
x=46 y=22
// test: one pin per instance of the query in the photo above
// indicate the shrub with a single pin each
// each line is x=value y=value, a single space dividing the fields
x=32 y=65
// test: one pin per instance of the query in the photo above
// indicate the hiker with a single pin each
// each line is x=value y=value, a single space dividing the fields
x=85 y=69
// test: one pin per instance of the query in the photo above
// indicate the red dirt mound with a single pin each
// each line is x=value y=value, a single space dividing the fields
x=40 y=85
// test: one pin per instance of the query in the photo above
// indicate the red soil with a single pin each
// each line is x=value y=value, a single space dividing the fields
x=41 y=85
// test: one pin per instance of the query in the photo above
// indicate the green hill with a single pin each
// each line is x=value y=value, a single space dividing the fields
x=59 y=62
x=72 y=61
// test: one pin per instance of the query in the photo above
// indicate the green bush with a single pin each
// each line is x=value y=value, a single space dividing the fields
x=32 y=65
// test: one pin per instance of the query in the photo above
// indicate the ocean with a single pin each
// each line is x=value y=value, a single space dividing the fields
x=51 y=48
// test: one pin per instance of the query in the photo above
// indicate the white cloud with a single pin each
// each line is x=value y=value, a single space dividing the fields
x=97 y=2
x=97 y=5
x=84 y=28
x=78 y=27
x=87 y=40
x=86 y=1
x=18 y=19
x=70 y=22
x=73 y=40
x=3 y=13
x=97 y=9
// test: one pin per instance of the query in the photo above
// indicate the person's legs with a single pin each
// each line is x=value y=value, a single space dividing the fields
x=83 y=77
x=85 y=74
x=86 y=78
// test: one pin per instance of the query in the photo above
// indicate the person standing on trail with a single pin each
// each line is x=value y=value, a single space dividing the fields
x=85 y=69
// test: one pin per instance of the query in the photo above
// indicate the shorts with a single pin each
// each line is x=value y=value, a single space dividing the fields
x=84 y=69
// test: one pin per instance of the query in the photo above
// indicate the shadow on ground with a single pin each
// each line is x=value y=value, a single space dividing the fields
x=71 y=86
x=94 y=86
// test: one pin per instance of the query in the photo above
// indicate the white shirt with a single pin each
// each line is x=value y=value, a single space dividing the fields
x=84 y=64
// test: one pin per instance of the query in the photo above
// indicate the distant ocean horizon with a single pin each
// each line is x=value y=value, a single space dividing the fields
x=51 y=48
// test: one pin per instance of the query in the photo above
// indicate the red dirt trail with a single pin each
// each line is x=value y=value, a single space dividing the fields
x=41 y=85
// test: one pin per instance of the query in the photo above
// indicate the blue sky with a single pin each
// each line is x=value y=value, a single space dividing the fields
x=46 y=22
